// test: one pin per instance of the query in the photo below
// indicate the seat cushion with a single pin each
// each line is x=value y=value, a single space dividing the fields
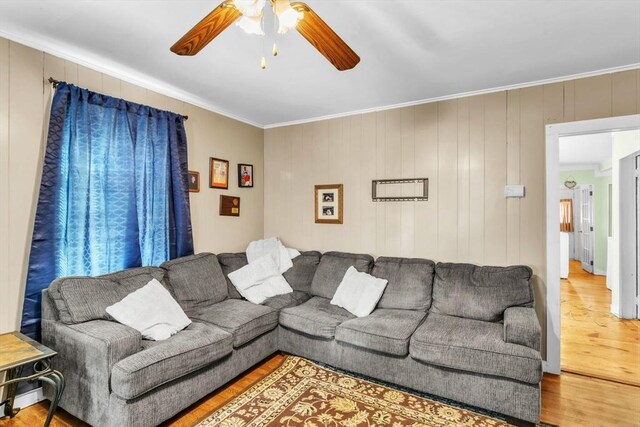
x=410 y=282
x=385 y=330
x=316 y=317
x=230 y=263
x=162 y=361
x=243 y=319
x=81 y=299
x=304 y=268
x=481 y=293
x=474 y=346
x=331 y=270
x=287 y=300
x=197 y=281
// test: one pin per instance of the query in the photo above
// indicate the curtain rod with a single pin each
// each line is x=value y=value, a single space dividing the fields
x=55 y=84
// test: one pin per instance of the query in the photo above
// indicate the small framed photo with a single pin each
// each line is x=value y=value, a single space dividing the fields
x=194 y=181
x=328 y=204
x=245 y=175
x=218 y=173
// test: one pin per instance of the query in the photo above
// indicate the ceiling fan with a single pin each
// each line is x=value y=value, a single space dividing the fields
x=249 y=17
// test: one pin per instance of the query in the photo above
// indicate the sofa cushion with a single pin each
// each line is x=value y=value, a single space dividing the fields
x=474 y=346
x=481 y=293
x=304 y=268
x=162 y=361
x=81 y=299
x=385 y=330
x=229 y=263
x=197 y=281
x=331 y=270
x=316 y=317
x=410 y=282
x=288 y=300
x=243 y=319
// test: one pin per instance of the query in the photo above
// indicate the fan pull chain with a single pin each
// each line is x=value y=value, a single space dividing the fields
x=263 y=62
x=274 y=51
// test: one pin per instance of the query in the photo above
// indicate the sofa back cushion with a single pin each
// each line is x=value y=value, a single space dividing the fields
x=304 y=268
x=480 y=293
x=81 y=299
x=230 y=263
x=410 y=282
x=197 y=280
x=331 y=270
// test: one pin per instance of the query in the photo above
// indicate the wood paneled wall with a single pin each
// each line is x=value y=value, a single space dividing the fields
x=24 y=111
x=469 y=148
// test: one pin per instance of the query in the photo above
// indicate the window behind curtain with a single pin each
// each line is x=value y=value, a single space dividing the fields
x=113 y=195
x=566 y=215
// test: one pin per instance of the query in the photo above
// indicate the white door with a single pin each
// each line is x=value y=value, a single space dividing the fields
x=586 y=226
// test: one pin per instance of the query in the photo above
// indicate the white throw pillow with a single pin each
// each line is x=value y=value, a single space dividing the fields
x=359 y=293
x=260 y=280
x=152 y=311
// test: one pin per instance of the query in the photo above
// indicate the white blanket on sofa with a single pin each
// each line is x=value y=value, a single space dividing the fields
x=272 y=247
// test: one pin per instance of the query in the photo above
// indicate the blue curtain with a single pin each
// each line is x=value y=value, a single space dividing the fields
x=114 y=192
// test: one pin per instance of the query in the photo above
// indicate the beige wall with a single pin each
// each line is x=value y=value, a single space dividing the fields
x=24 y=97
x=469 y=148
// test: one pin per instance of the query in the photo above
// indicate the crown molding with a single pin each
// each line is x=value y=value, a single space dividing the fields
x=634 y=66
x=121 y=72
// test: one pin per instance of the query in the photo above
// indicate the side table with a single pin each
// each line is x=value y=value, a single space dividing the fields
x=16 y=352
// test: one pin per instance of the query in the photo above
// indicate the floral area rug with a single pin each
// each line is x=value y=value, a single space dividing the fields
x=303 y=393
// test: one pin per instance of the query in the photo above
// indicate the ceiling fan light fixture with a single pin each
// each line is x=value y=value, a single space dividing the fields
x=251 y=25
x=250 y=8
x=287 y=16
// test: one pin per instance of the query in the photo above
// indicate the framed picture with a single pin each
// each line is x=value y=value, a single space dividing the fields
x=229 y=205
x=328 y=204
x=218 y=173
x=194 y=181
x=245 y=175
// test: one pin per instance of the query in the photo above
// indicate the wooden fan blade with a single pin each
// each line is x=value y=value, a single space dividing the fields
x=324 y=39
x=207 y=29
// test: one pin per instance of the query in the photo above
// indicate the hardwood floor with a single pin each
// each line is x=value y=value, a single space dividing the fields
x=595 y=342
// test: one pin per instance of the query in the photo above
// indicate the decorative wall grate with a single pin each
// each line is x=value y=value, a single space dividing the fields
x=418 y=196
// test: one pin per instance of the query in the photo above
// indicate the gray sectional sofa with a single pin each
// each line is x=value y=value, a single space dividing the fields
x=458 y=331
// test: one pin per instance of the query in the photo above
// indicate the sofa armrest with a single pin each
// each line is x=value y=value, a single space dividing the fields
x=86 y=354
x=521 y=327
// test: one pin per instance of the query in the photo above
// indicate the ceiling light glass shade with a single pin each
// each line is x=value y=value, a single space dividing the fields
x=251 y=25
x=287 y=17
x=250 y=8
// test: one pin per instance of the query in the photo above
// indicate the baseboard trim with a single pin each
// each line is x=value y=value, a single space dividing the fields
x=599 y=272
x=27 y=399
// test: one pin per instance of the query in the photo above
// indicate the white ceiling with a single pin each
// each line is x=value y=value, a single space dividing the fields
x=585 y=150
x=410 y=50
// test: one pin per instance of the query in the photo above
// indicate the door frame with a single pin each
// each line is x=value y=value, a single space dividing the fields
x=553 y=133
x=628 y=245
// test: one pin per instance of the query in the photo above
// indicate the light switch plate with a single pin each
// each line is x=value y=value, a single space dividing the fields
x=514 y=191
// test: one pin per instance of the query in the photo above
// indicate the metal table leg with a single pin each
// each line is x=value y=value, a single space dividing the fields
x=56 y=380
x=9 y=410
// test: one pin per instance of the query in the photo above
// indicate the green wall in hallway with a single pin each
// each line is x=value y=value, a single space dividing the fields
x=600 y=210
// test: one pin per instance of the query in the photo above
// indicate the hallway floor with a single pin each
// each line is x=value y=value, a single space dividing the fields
x=595 y=342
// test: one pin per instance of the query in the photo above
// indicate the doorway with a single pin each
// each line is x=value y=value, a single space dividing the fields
x=588 y=303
